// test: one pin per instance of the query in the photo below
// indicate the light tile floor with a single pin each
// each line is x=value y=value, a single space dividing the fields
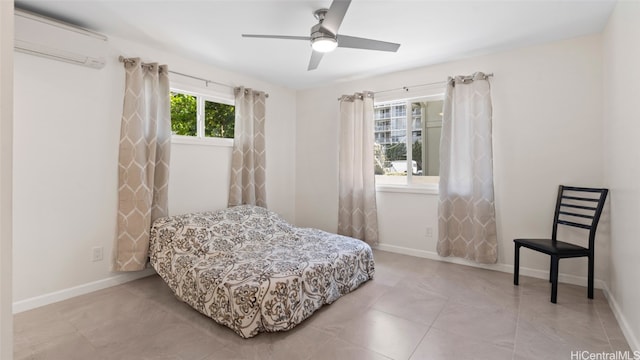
x=413 y=309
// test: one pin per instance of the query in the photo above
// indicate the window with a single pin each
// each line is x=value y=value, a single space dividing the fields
x=201 y=116
x=408 y=124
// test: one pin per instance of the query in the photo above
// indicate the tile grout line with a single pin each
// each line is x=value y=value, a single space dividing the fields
x=515 y=335
x=603 y=327
x=428 y=329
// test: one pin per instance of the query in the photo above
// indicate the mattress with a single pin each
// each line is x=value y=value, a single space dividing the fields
x=250 y=270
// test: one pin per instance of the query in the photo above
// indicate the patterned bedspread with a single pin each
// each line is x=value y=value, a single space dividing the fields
x=250 y=270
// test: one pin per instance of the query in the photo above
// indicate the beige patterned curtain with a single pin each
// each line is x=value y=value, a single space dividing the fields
x=467 y=221
x=357 y=213
x=248 y=160
x=143 y=170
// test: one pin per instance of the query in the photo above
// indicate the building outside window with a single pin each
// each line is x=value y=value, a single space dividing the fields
x=420 y=121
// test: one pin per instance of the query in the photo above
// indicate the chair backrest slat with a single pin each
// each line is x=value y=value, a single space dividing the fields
x=575 y=207
x=571 y=223
x=576 y=215
x=579 y=207
x=579 y=198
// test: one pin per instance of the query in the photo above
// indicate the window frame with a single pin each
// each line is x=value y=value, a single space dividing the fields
x=410 y=186
x=202 y=95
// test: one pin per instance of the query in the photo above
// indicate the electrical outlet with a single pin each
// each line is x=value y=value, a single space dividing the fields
x=429 y=232
x=97 y=253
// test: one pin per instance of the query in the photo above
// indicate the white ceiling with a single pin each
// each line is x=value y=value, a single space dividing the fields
x=430 y=31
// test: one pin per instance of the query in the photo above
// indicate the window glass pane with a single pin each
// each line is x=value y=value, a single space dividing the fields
x=219 y=119
x=184 y=114
x=416 y=138
x=426 y=129
x=390 y=151
x=393 y=122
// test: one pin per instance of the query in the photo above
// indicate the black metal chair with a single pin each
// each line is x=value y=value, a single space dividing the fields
x=578 y=207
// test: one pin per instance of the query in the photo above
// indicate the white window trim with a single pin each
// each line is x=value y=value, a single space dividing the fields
x=209 y=141
x=435 y=91
x=217 y=96
x=202 y=95
x=410 y=187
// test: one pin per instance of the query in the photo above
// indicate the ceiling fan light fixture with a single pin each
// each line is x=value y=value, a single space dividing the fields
x=324 y=43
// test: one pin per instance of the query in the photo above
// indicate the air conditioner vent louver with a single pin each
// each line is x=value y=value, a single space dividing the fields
x=52 y=39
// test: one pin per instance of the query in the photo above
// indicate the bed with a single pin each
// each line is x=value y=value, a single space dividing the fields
x=248 y=269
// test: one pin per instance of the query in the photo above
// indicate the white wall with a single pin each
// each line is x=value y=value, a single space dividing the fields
x=547 y=131
x=66 y=151
x=621 y=127
x=6 y=144
x=206 y=183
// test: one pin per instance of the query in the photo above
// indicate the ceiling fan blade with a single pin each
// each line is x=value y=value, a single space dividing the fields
x=316 y=56
x=333 y=19
x=284 y=37
x=368 y=44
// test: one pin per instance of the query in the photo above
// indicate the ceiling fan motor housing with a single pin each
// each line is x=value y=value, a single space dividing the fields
x=320 y=14
x=321 y=39
x=318 y=32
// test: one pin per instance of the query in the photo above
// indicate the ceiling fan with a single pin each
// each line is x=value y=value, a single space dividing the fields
x=325 y=38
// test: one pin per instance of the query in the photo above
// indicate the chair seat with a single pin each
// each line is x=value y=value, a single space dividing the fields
x=561 y=248
x=577 y=207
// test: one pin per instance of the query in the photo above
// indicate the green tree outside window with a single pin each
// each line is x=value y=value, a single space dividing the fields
x=184 y=114
x=219 y=119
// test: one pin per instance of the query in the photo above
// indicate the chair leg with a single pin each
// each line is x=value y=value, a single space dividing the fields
x=516 y=265
x=590 y=278
x=554 y=279
x=550 y=267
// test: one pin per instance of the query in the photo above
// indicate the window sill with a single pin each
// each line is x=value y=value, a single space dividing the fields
x=192 y=140
x=414 y=189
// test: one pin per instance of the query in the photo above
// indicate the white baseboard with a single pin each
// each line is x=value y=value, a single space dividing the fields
x=50 y=298
x=632 y=339
x=535 y=273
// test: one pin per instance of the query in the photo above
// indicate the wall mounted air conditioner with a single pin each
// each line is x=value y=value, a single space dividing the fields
x=52 y=39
